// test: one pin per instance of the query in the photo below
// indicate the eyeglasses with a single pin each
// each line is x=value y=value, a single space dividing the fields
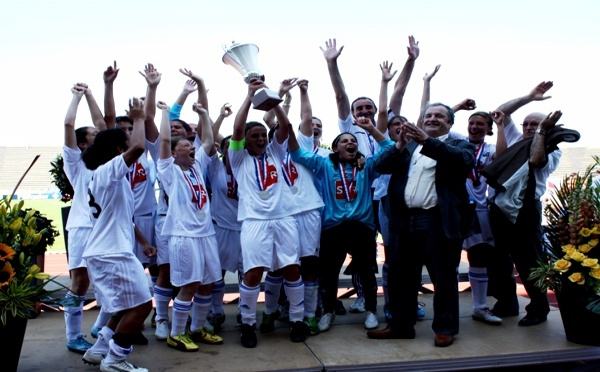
x=533 y=124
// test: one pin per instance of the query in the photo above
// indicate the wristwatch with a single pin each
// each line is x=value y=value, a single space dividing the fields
x=541 y=131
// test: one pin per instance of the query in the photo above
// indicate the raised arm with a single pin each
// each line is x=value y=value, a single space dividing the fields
x=137 y=141
x=208 y=140
x=537 y=154
x=536 y=94
x=331 y=54
x=501 y=143
x=110 y=113
x=305 y=110
x=239 y=124
x=405 y=74
x=365 y=123
x=284 y=91
x=202 y=96
x=386 y=76
x=152 y=77
x=216 y=127
x=282 y=132
x=165 y=131
x=97 y=117
x=70 y=137
x=426 y=96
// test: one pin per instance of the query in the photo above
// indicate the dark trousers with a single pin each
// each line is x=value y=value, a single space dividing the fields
x=522 y=243
x=422 y=241
x=356 y=239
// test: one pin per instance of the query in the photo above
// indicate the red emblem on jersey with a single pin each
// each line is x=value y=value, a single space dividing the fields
x=138 y=175
x=271 y=175
x=339 y=190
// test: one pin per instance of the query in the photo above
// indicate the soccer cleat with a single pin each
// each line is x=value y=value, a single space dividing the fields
x=121 y=366
x=313 y=325
x=78 y=345
x=216 y=321
x=92 y=358
x=371 y=321
x=358 y=306
x=162 y=330
x=298 y=331
x=325 y=322
x=182 y=342
x=420 y=311
x=485 y=315
x=205 y=336
x=268 y=322
x=248 y=335
x=94 y=332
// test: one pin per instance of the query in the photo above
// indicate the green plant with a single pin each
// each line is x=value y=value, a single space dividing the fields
x=572 y=236
x=59 y=178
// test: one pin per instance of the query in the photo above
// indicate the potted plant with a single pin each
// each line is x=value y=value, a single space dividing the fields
x=571 y=264
x=60 y=180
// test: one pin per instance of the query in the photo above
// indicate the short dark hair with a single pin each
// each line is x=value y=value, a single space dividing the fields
x=252 y=124
x=488 y=119
x=119 y=119
x=81 y=134
x=175 y=140
x=399 y=117
x=352 y=105
x=449 y=111
x=105 y=147
x=185 y=125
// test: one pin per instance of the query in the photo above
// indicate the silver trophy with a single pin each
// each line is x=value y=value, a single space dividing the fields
x=242 y=57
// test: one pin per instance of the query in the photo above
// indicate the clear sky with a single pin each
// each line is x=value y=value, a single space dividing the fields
x=489 y=51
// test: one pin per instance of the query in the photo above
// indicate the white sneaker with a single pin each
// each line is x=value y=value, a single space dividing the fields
x=92 y=358
x=122 y=366
x=358 y=306
x=162 y=330
x=325 y=322
x=371 y=321
x=485 y=315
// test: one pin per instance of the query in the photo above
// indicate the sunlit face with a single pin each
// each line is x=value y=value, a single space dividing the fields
x=317 y=128
x=184 y=153
x=531 y=123
x=178 y=130
x=127 y=127
x=435 y=121
x=256 y=140
x=394 y=128
x=478 y=128
x=347 y=147
x=365 y=108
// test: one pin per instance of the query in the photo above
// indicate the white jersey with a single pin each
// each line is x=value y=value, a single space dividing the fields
x=142 y=181
x=224 y=195
x=80 y=177
x=111 y=208
x=263 y=194
x=477 y=186
x=189 y=205
x=301 y=180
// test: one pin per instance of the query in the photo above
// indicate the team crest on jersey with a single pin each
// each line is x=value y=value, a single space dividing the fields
x=138 y=175
x=200 y=190
x=339 y=190
x=271 y=175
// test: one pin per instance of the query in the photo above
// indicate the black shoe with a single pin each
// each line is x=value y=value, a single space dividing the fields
x=531 y=320
x=298 y=332
x=339 y=308
x=248 y=336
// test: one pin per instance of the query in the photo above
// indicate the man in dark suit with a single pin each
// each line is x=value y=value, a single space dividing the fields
x=429 y=217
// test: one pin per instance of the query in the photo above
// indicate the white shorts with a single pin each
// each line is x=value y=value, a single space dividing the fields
x=272 y=244
x=77 y=240
x=194 y=260
x=383 y=224
x=230 y=249
x=146 y=225
x=162 y=242
x=119 y=280
x=309 y=232
x=483 y=215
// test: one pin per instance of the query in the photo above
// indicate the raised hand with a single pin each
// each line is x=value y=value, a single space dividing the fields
x=110 y=74
x=413 y=48
x=428 y=77
x=386 y=71
x=303 y=85
x=550 y=120
x=190 y=74
x=226 y=110
x=136 y=109
x=498 y=117
x=162 y=106
x=190 y=86
x=199 y=109
x=78 y=90
x=363 y=122
x=537 y=94
x=254 y=85
x=467 y=104
x=287 y=85
x=151 y=75
x=330 y=52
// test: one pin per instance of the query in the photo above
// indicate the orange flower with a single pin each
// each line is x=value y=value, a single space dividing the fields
x=6 y=252
x=6 y=274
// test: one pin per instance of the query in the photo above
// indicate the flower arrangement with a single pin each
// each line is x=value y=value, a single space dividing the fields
x=571 y=239
x=59 y=178
x=24 y=234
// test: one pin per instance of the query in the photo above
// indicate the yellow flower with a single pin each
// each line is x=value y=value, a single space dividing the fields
x=592 y=243
x=578 y=256
x=6 y=274
x=590 y=262
x=15 y=226
x=584 y=248
x=562 y=266
x=34 y=269
x=585 y=232
x=6 y=252
x=577 y=278
x=41 y=276
x=567 y=248
x=596 y=230
x=595 y=273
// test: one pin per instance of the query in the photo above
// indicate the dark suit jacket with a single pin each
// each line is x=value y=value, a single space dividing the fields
x=455 y=159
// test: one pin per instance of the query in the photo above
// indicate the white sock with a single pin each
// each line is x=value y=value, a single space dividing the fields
x=162 y=298
x=116 y=353
x=101 y=345
x=200 y=309
x=295 y=294
x=248 y=299
x=102 y=319
x=180 y=313
x=272 y=288
x=73 y=317
x=218 y=293
x=311 y=293
x=478 y=279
